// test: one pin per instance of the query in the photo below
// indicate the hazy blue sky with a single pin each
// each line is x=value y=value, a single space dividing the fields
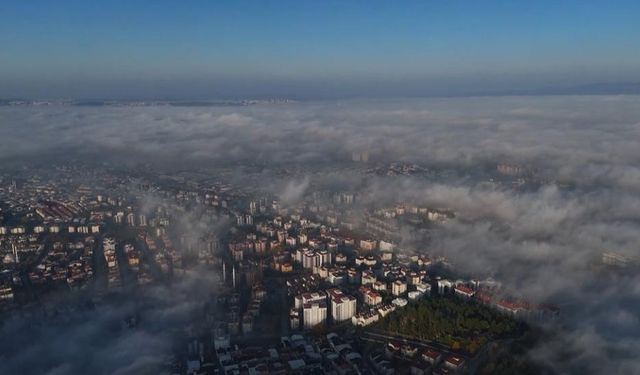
x=313 y=48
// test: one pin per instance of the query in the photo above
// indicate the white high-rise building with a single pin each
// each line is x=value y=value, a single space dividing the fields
x=291 y=241
x=444 y=286
x=305 y=298
x=131 y=219
x=325 y=257
x=109 y=244
x=343 y=307
x=110 y=252
x=311 y=259
x=398 y=288
x=314 y=313
x=119 y=217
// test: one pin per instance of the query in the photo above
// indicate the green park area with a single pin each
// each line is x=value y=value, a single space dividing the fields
x=460 y=325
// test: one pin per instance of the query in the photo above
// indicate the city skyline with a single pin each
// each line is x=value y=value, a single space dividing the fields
x=335 y=187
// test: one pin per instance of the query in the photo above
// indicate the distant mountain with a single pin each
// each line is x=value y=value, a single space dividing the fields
x=139 y=103
x=620 y=88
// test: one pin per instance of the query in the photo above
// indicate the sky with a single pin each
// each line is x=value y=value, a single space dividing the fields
x=305 y=49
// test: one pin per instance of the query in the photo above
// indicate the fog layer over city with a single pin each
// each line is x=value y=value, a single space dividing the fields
x=541 y=243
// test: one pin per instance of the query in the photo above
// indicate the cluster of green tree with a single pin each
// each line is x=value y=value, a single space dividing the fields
x=458 y=324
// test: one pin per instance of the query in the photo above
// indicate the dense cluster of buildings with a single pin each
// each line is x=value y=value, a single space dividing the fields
x=295 y=354
x=420 y=360
x=340 y=266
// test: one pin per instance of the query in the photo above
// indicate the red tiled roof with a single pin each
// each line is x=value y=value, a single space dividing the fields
x=431 y=354
x=454 y=360
x=464 y=289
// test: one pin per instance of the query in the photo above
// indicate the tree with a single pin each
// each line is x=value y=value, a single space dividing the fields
x=455 y=345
